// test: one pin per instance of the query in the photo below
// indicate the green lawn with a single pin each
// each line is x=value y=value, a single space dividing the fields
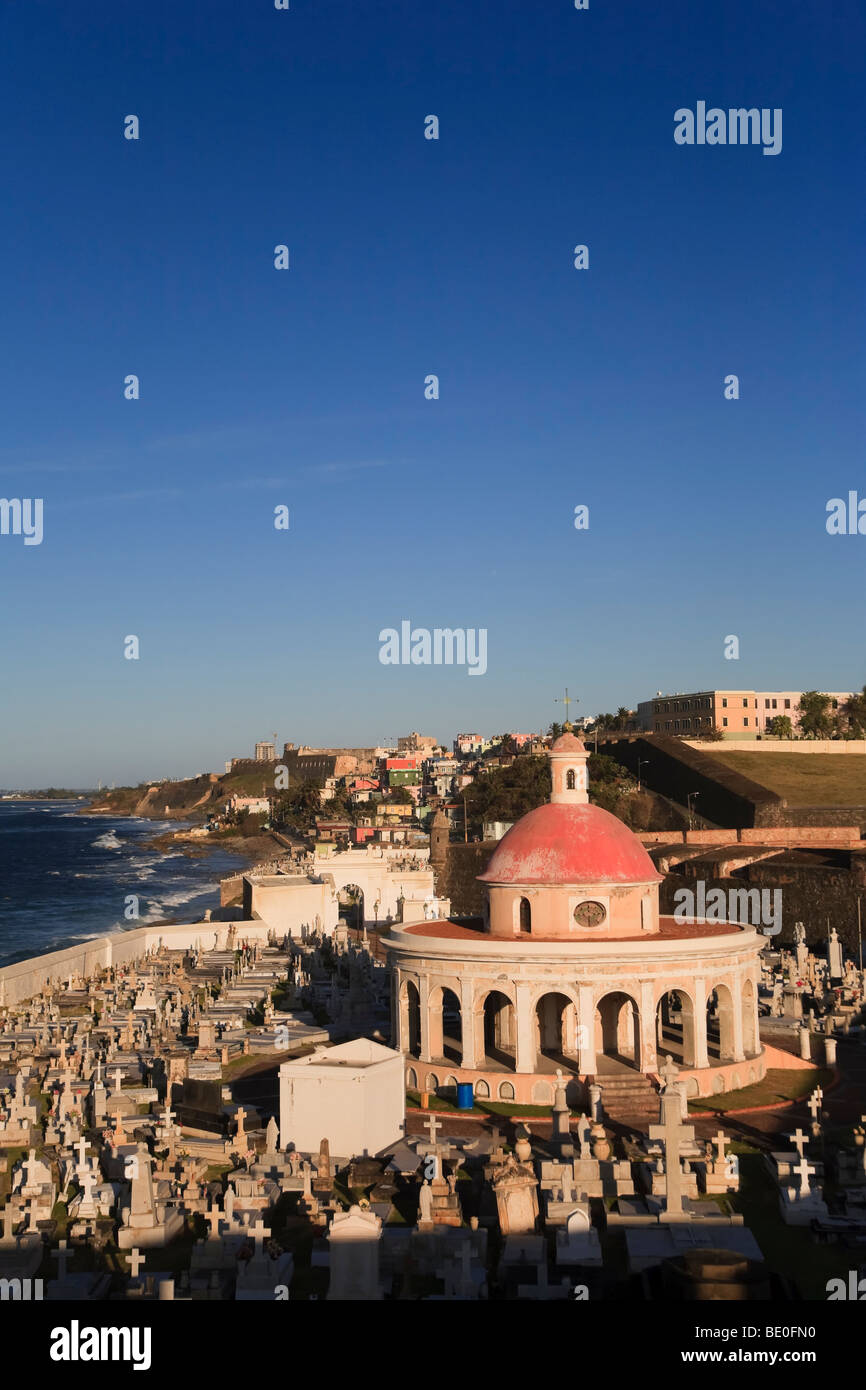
x=803 y=779
x=778 y=1085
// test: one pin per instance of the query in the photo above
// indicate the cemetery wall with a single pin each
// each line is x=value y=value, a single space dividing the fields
x=28 y=977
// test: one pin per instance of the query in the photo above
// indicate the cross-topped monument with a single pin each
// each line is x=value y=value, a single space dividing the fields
x=672 y=1132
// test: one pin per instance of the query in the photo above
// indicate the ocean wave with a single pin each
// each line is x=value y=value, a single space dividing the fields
x=107 y=841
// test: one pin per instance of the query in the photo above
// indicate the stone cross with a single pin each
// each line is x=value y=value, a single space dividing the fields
x=799 y=1140
x=135 y=1260
x=433 y=1126
x=81 y=1146
x=167 y=1115
x=720 y=1139
x=803 y=1171
x=61 y=1255
x=212 y=1217
x=815 y=1103
x=258 y=1232
x=672 y=1132
x=117 y=1079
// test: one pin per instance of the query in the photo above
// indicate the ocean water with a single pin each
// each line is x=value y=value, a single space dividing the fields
x=65 y=877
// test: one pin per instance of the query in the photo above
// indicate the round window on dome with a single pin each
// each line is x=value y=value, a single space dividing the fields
x=589 y=914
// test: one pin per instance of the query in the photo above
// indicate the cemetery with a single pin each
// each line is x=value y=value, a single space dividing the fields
x=254 y=1114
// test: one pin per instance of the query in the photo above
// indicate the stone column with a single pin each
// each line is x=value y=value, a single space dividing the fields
x=586 y=1030
x=649 y=1058
x=525 y=1059
x=424 y=997
x=468 y=1022
x=399 y=1014
x=435 y=1026
x=701 y=1055
x=737 y=995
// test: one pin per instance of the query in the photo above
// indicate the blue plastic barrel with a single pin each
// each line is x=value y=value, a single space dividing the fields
x=464 y=1095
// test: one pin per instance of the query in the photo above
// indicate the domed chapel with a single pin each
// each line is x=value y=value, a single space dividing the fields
x=573 y=968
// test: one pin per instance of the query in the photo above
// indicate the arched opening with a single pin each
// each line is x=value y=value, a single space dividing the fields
x=446 y=1028
x=675 y=1028
x=569 y=779
x=410 y=1019
x=617 y=1032
x=500 y=1031
x=750 y=1020
x=525 y=915
x=720 y=1025
x=555 y=1024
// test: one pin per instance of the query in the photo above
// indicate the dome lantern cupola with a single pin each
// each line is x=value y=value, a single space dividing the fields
x=568 y=772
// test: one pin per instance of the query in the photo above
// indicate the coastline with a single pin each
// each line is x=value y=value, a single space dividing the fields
x=84 y=886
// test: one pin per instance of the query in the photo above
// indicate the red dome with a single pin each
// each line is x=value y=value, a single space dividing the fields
x=579 y=844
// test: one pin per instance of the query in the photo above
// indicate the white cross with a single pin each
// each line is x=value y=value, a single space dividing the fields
x=167 y=1115
x=433 y=1126
x=803 y=1171
x=799 y=1139
x=212 y=1218
x=672 y=1132
x=815 y=1103
x=259 y=1231
x=61 y=1255
x=82 y=1151
x=720 y=1139
x=135 y=1260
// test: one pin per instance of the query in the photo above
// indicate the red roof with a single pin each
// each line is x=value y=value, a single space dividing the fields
x=566 y=843
x=669 y=930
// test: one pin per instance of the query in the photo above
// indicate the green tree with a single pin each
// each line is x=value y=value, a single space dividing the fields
x=780 y=727
x=855 y=715
x=298 y=806
x=816 y=718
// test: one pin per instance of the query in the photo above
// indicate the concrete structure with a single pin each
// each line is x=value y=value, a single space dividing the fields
x=353 y=1094
x=573 y=967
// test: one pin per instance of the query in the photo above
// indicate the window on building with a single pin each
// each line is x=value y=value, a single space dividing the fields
x=745 y=704
x=725 y=702
x=774 y=704
x=569 y=780
x=525 y=915
x=725 y=723
x=746 y=723
x=766 y=704
x=787 y=704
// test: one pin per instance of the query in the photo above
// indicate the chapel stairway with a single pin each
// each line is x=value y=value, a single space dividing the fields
x=628 y=1096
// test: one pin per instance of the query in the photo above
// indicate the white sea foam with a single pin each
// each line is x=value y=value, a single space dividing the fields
x=107 y=841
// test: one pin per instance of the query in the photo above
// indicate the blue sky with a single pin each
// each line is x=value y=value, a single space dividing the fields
x=409 y=257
